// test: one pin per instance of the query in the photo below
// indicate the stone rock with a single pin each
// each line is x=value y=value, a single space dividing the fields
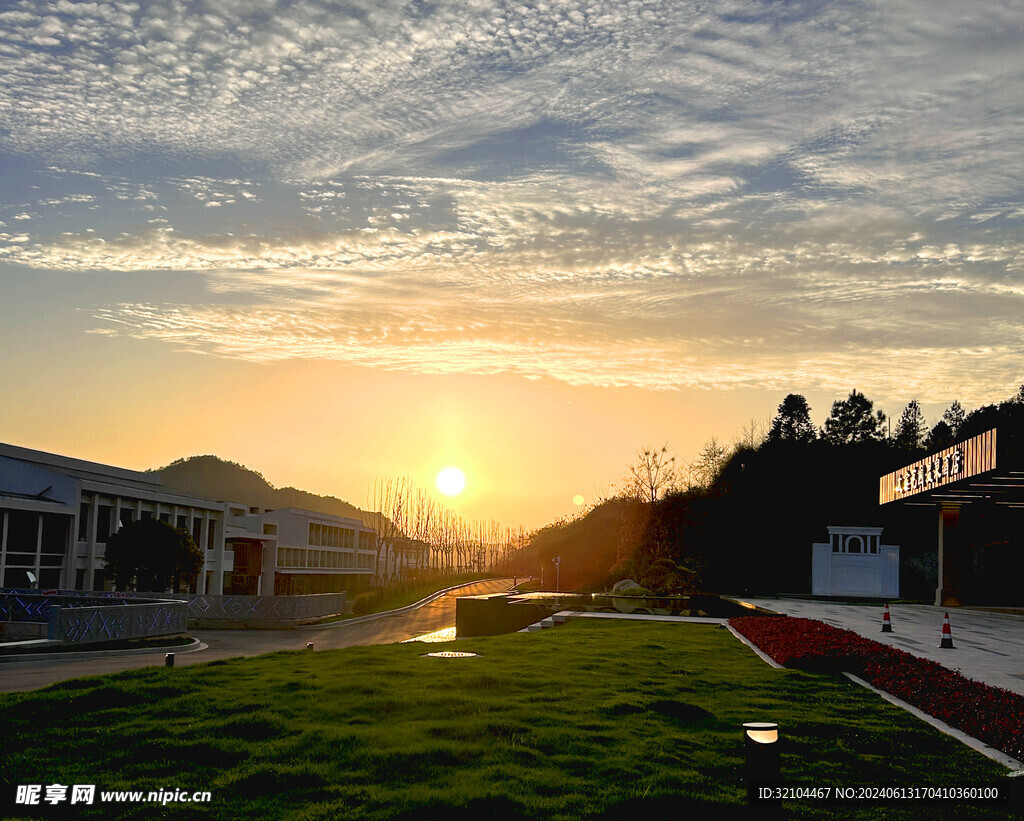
x=625 y=584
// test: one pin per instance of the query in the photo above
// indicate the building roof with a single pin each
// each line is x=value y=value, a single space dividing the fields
x=313 y=514
x=106 y=479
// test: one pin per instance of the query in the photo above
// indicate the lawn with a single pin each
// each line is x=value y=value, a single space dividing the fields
x=590 y=720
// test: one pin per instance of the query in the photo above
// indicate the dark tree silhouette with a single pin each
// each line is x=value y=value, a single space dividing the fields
x=939 y=437
x=793 y=421
x=954 y=417
x=152 y=556
x=910 y=430
x=853 y=420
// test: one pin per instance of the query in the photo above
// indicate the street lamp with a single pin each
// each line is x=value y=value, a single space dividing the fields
x=558 y=564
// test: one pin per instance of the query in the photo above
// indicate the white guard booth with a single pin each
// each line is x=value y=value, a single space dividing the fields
x=854 y=563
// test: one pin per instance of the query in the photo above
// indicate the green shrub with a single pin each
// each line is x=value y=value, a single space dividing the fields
x=364 y=602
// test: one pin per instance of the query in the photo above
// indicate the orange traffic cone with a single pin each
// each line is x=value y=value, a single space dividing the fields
x=947 y=634
x=886 y=623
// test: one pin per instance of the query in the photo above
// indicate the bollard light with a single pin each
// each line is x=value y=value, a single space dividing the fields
x=761 y=751
x=169 y=660
x=762 y=732
x=309 y=646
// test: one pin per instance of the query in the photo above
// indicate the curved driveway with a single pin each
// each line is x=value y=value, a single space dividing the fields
x=438 y=614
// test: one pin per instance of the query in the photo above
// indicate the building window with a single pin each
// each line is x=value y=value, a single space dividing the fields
x=103 y=522
x=55 y=537
x=125 y=516
x=181 y=521
x=83 y=521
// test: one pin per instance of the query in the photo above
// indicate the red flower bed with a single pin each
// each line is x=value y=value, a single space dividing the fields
x=990 y=714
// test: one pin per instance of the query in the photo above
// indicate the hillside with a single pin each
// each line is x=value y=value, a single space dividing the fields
x=588 y=547
x=209 y=477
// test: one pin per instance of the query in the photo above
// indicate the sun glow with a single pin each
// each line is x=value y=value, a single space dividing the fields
x=451 y=481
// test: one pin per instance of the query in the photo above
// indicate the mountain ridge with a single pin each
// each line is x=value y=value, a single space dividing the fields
x=210 y=477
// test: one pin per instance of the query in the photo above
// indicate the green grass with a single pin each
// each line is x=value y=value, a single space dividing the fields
x=590 y=720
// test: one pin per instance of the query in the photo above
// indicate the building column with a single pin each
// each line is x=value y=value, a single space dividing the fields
x=267 y=571
x=219 y=536
x=67 y=570
x=3 y=548
x=90 y=560
x=948 y=591
x=39 y=550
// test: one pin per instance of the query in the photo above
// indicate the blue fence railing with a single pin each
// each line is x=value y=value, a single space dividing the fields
x=84 y=625
x=80 y=619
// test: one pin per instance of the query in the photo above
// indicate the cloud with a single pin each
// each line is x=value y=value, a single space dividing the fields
x=624 y=193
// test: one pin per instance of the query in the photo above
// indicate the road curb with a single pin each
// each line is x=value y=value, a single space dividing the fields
x=959 y=735
x=193 y=647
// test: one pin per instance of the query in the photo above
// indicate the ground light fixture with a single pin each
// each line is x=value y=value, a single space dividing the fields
x=761 y=754
x=169 y=660
x=450 y=654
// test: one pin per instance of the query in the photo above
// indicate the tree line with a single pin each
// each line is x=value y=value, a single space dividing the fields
x=416 y=537
x=742 y=517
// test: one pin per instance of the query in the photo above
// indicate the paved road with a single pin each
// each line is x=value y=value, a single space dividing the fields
x=438 y=614
x=987 y=646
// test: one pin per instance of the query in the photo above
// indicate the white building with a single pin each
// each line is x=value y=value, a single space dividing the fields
x=57 y=513
x=318 y=553
x=854 y=562
x=402 y=558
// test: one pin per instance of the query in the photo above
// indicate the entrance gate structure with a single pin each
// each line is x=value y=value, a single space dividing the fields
x=973 y=486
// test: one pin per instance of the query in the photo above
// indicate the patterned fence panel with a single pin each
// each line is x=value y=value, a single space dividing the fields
x=271 y=608
x=84 y=625
x=22 y=606
x=229 y=608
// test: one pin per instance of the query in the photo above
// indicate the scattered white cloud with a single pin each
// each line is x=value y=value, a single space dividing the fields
x=627 y=192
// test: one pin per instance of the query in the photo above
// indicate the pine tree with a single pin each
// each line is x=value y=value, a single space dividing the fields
x=793 y=421
x=954 y=416
x=911 y=427
x=853 y=420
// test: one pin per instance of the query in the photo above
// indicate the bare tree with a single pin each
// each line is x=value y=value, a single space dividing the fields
x=652 y=475
x=390 y=504
x=753 y=434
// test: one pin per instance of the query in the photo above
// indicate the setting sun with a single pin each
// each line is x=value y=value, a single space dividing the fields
x=451 y=481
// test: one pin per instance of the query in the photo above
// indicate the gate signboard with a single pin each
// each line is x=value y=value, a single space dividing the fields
x=961 y=461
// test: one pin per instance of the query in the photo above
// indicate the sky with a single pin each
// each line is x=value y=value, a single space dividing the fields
x=339 y=241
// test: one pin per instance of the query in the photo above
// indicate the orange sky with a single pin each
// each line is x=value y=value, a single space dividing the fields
x=336 y=244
